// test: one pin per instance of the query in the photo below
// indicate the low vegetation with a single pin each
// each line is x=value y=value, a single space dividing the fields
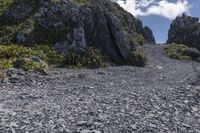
x=177 y=51
x=93 y=58
x=139 y=40
x=138 y=58
x=32 y=65
x=2 y=75
x=84 y=2
x=10 y=53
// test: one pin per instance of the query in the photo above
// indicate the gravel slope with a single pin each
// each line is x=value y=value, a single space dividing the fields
x=157 y=98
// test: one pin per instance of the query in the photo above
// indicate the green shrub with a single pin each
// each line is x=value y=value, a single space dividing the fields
x=8 y=32
x=138 y=58
x=34 y=66
x=139 y=40
x=49 y=55
x=6 y=63
x=177 y=51
x=9 y=53
x=93 y=58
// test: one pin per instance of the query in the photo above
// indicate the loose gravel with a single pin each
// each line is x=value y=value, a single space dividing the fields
x=162 y=97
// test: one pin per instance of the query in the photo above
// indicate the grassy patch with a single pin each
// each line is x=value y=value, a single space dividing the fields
x=31 y=65
x=177 y=51
x=8 y=32
x=93 y=58
x=139 y=40
x=2 y=75
x=9 y=53
x=138 y=58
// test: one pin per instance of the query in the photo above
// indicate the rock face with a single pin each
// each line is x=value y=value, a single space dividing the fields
x=74 y=25
x=185 y=30
x=148 y=35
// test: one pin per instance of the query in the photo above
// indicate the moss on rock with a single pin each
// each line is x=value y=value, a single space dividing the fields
x=33 y=63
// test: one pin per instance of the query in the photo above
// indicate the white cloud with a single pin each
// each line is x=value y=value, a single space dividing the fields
x=163 y=8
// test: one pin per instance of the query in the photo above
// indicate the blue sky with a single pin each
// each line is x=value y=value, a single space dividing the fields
x=158 y=14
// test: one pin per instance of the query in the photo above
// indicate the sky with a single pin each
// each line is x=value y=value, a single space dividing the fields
x=158 y=14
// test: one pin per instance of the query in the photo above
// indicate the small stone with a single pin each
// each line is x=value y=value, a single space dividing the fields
x=152 y=125
x=194 y=109
x=159 y=67
x=96 y=131
x=82 y=75
x=185 y=101
x=97 y=124
x=86 y=131
x=90 y=87
x=13 y=124
x=133 y=126
x=166 y=128
x=188 y=114
x=83 y=123
x=185 y=125
x=100 y=73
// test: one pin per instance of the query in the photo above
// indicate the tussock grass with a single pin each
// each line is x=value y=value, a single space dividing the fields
x=177 y=51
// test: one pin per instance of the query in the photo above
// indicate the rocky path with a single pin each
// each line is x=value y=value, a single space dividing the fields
x=157 y=98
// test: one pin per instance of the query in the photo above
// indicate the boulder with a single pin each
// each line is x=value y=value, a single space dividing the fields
x=193 y=53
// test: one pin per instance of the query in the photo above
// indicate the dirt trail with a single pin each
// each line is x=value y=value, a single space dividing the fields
x=174 y=71
x=123 y=99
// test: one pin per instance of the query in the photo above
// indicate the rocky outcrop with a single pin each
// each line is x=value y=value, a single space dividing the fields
x=185 y=30
x=75 y=25
x=148 y=35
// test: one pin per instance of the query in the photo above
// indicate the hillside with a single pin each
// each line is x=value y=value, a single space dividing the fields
x=67 y=26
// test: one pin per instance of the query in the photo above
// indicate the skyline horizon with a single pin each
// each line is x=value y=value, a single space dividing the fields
x=158 y=21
